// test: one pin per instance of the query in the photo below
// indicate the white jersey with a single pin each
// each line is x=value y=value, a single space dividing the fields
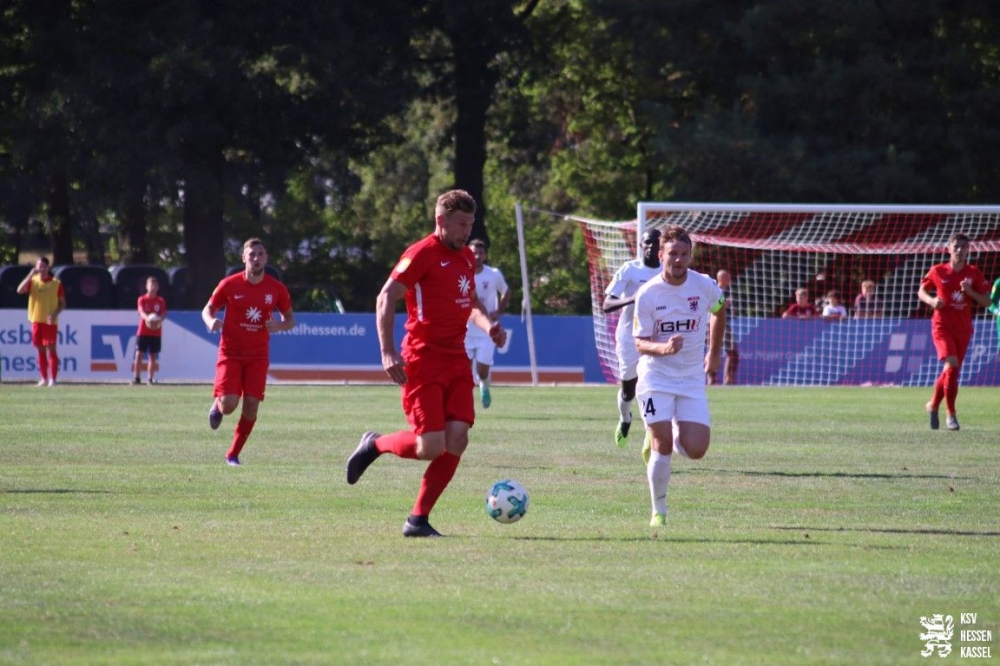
x=625 y=283
x=490 y=287
x=663 y=310
x=834 y=311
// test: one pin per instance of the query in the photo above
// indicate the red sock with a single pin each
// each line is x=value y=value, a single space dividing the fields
x=402 y=443
x=53 y=363
x=240 y=435
x=950 y=376
x=939 y=384
x=436 y=478
x=43 y=364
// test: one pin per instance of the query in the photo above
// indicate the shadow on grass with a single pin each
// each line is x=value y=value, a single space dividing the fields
x=658 y=537
x=828 y=475
x=890 y=530
x=53 y=491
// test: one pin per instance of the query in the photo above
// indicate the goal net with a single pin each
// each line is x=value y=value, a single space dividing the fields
x=773 y=250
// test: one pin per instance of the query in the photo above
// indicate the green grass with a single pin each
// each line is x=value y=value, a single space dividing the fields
x=820 y=527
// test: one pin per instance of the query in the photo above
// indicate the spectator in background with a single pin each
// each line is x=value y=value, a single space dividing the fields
x=732 y=354
x=956 y=285
x=801 y=308
x=46 y=299
x=866 y=304
x=834 y=309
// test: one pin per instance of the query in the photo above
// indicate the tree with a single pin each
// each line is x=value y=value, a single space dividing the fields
x=462 y=53
x=208 y=98
x=796 y=101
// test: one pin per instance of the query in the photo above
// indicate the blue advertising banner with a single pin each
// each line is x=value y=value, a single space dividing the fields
x=855 y=352
x=99 y=345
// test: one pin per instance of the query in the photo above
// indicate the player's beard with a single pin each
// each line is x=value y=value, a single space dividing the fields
x=453 y=243
x=677 y=274
x=256 y=271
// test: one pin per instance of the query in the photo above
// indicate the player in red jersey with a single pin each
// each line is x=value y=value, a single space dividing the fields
x=436 y=276
x=152 y=310
x=250 y=299
x=955 y=283
x=46 y=299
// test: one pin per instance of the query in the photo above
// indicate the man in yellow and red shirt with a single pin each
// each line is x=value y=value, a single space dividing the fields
x=46 y=299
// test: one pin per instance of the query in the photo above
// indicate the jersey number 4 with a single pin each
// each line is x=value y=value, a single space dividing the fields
x=648 y=407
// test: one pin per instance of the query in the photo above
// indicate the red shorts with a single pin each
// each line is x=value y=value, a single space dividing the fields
x=44 y=335
x=951 y=344
x=437 y=391
x=242 y=377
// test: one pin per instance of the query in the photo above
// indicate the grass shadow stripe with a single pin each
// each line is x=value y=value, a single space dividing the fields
x=890 y=530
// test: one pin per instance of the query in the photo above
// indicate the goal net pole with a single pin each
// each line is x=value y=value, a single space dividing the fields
x=526 y=293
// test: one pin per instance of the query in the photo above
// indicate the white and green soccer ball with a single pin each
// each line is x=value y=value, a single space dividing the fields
x=507 y=501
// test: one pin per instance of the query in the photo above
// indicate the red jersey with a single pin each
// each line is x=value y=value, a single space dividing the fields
x=441 y=288
x=248 y=307
x=796 y=311
x=149 y=304
x=956 y=315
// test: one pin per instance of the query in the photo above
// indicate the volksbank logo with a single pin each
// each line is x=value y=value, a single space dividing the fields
x=22 y=335
x=111 y=348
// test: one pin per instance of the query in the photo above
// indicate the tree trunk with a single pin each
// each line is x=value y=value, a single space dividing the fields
x=474 y=83
x=132 y=237
x=203 y=236
x=62 y=228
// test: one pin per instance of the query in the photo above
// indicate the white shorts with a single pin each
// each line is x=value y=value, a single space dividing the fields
x=628 y=360
x=480 y=348
x=656 y=406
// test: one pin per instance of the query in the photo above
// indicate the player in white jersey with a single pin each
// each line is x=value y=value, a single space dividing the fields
x=621 y=294
x=493 y=292
x=671 y=312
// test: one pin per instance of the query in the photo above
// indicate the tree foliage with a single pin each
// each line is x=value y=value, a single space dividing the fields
x=170 y=132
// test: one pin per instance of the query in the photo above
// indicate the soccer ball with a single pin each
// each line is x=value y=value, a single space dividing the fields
x=507 y=501
x=154 y=321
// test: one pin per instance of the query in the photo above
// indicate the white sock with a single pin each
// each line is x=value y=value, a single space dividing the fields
x=658 y=475
x=624 y=409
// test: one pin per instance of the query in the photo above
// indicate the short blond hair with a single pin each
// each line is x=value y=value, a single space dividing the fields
x=453 y=200
x=250 y=242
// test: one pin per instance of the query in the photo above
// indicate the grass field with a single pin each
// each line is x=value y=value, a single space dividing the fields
x=819 y=529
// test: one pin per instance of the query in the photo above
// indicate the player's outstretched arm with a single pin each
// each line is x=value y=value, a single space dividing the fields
x=385 y=317
x=925 y=297
x=481 y=319
x=285 y=323
x=612 y=303
x=212 y=323
x=716 y=331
